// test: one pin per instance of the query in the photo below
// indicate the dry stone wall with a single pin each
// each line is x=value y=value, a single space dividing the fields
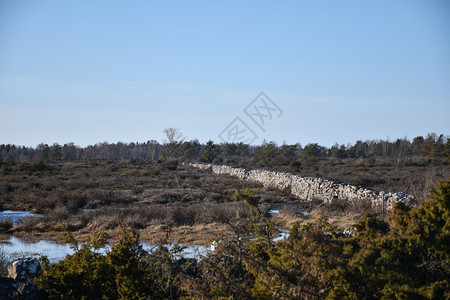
x=309 y=188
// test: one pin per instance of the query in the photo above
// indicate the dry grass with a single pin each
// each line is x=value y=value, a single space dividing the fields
x=192 y=204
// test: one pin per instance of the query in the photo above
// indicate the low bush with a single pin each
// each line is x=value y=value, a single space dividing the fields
x=124 y=272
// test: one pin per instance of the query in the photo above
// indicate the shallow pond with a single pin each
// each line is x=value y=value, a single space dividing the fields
x=17 y=248
x=16 y=216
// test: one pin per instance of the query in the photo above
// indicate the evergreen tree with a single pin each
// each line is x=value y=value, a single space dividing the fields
x=210 y=152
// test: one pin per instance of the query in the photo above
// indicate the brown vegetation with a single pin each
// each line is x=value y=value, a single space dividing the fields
x=87 y=195
x=168 y=195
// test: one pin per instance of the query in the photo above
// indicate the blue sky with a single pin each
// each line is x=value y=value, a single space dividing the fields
x=94 y=71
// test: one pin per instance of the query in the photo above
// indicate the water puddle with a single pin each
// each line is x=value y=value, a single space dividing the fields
x=284 y=234
x=195 y=251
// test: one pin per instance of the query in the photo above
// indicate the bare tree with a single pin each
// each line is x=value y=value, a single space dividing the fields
x=173 y=135
x=174 y=139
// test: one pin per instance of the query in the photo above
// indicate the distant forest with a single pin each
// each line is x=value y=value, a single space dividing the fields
x=268 y=154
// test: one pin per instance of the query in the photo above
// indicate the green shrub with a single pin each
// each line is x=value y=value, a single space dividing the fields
x=124 y=272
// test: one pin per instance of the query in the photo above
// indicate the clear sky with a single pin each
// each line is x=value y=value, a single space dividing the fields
x=339 y=71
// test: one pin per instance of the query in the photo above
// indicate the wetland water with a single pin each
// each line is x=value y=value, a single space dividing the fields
x=15 y=247
x=16 y=216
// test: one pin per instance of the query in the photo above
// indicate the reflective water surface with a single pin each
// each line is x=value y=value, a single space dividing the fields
x=16 y=216
x=17 y=248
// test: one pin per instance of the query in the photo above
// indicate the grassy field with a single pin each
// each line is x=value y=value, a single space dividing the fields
x=155 y=199
x=169 y=198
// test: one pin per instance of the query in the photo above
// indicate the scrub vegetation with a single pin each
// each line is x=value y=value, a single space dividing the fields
x=407 y=257
x=121 y=194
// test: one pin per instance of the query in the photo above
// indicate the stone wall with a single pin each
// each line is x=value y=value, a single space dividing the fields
x=309 y=188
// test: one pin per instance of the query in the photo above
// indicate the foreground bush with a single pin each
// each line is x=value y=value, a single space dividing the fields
x=124 y=272
x=408 y=260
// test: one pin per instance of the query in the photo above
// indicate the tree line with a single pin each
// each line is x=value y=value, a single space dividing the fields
x=267 y=154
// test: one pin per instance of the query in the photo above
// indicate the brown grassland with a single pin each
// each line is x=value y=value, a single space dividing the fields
x=160 y=199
